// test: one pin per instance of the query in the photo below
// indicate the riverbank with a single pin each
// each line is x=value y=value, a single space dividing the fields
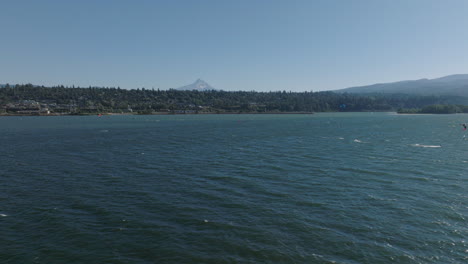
x=157 y=113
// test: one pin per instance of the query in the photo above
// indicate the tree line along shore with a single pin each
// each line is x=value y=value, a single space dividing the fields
x=28 y=99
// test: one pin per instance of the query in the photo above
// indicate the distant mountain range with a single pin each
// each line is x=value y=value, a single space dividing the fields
x=455 y=85
x=198 y=85
x=451 y=85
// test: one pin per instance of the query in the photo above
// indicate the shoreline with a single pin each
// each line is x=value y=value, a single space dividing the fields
x=162 y=113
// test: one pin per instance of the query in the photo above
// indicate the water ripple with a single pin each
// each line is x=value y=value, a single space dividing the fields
x=233 y=189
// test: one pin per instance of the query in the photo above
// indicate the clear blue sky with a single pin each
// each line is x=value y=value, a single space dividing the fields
x=258 y=45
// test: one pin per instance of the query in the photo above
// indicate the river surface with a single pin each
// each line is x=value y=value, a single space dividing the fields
x=321 y=188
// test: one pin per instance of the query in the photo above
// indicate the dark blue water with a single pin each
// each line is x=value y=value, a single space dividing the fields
x=323 y=188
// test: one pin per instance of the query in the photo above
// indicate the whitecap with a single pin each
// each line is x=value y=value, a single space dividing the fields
x=357 y=141
x=3 y=215
x=426 y=146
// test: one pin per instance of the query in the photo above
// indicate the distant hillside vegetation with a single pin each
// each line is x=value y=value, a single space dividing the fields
x=59 y=99
x=452 y=85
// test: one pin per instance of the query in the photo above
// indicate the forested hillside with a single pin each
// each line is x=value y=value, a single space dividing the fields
x=454 y=85
x=76 y=100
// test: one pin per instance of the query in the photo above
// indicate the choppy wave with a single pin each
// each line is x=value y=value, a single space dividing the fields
x=284 y=189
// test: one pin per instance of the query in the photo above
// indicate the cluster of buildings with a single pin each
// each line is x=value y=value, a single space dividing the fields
x=31 y=107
